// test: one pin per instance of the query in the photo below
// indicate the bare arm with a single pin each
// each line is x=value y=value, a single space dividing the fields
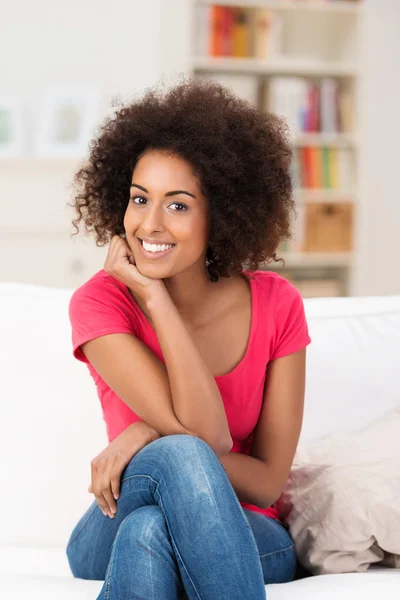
x=196 y=398
x=142 y=380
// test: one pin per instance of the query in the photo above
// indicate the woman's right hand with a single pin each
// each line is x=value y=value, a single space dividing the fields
x=120 y=264
x=107 y=466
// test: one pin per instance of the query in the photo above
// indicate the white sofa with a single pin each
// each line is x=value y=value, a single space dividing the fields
x=52 y=427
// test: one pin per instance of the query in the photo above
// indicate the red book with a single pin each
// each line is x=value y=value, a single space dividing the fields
x=306 y=167
x=314 y=108
x=227 y=31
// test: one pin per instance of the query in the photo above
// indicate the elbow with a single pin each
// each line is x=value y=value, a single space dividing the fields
x=223 y=447
x=270 y=499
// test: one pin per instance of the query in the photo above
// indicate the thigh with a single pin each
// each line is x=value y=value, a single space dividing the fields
x=275 y=546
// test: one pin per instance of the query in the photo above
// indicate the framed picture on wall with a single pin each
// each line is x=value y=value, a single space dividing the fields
x=11 y=127
x=68 y=117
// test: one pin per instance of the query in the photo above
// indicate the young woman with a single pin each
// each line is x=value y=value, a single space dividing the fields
x=199 y=363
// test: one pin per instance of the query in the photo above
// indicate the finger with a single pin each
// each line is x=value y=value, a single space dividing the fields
x=110 y=475
x=115 y=485
x=106 y=491
x=101 y=501
x=103 y=505
x=96 y=490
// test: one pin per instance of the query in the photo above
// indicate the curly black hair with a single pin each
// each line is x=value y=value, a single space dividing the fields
x=241 y=155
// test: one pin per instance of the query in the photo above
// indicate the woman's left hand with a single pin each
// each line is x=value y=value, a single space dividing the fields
x=109 y=464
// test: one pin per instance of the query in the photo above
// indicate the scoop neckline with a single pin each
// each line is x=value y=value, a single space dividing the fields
x=253 y=323
x=253 y=294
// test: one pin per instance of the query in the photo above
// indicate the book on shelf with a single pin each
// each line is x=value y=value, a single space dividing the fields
x=309 y=106
x=235 y=31
x=322 y=167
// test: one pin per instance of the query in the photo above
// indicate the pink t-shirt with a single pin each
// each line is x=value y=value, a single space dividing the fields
x=103 y=305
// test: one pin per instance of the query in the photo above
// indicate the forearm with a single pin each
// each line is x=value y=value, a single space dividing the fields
x=196 y=399
x=251 y=479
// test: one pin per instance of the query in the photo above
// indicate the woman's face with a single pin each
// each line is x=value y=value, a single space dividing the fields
x=166 y=206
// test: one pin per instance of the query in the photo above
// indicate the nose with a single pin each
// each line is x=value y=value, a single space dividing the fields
x=153 y=220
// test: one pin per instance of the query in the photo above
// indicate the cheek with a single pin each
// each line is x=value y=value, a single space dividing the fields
x=130 y=222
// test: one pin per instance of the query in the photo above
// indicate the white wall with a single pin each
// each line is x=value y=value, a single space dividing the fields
x=378 y=268
x=114 y=45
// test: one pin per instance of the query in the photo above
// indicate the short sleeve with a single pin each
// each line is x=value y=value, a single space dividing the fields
x=291 y=333
x=95 y=310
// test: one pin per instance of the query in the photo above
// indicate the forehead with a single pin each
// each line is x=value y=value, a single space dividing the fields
x=165 y=166
x=157 y=170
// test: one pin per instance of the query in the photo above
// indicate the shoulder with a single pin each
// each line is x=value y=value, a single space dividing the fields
x=100 y=291
x=101 y=283
x=272 y=286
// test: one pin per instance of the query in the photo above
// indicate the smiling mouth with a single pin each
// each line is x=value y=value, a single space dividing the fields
x=152 y=255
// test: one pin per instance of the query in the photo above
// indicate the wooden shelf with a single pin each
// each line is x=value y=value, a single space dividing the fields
x=338 y=7
x=313 y=259
x=305 y=195
x=255 y=66
x=40 y=162
x=337 y=140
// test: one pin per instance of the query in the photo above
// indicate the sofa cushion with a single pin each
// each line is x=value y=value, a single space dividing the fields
x=353 y=373
x=342 y=499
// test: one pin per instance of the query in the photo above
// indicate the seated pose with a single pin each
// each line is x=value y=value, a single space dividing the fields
x=198 y=355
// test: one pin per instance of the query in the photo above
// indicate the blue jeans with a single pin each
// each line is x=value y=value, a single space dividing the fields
x=180 y=531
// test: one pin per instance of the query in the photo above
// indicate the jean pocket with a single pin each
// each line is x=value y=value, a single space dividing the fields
x=279 y=566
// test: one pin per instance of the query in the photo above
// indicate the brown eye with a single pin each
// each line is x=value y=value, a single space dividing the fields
x=136 y=198
x=182 y=205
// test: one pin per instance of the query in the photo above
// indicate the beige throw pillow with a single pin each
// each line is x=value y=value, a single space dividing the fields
x=342 y=499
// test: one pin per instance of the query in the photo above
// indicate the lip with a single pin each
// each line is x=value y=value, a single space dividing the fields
x=153 y=255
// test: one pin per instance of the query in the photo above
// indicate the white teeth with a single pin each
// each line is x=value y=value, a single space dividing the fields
x=156 y=247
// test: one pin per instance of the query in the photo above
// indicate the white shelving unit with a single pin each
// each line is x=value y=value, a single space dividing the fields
x=254 y=66
x=330 y=6
x=320 y=38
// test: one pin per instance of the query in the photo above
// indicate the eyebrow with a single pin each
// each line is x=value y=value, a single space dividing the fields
x=173 y=193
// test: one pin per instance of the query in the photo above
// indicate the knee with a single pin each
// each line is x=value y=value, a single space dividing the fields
x=143 y=524
x=181 y=443
x=180 y=450
x=181 y=455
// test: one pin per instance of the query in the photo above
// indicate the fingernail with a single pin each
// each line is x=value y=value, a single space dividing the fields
x=104 y=513
x=116 y=496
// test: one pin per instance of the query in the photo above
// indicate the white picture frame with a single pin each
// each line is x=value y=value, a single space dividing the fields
x=11 y=127
x=67 y=120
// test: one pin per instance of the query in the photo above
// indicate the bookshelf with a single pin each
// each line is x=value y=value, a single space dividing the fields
x=304 y=65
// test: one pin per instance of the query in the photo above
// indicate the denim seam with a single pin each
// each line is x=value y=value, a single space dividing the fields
x=277 y=551
x=140 y=475
x=174 y=544
x=111 y=564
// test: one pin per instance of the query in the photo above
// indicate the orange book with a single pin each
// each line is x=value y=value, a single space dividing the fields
x=217 y=31
x=306 y=167
x=316 y=167
x=241 y=33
